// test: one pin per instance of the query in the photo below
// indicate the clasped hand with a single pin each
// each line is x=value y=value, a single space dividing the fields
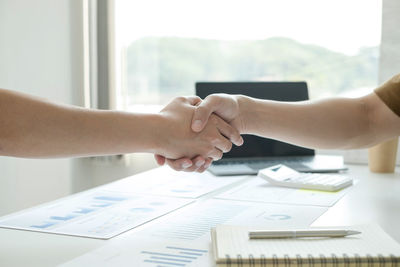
x=198 y=132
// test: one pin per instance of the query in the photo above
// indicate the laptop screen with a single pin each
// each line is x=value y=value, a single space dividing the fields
x=255 y=146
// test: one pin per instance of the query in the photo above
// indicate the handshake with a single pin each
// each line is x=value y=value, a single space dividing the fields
x=194 y=132
x=189 y=133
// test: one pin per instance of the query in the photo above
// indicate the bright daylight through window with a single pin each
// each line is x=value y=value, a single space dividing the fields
x=164 y=47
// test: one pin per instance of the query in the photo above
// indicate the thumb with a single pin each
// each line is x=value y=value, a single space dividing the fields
x=160 y=159
x=202 y=113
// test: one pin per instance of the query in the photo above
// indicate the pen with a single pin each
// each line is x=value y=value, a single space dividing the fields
x=301 y=233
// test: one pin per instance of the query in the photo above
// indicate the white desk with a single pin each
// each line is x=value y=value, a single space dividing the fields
x=376 y=198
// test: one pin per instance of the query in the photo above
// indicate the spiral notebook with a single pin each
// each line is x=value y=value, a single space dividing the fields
x=373 y=247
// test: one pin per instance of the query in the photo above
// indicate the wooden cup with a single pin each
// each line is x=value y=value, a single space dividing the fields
x=382 y=157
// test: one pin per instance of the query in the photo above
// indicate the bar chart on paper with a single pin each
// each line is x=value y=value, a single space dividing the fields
x=173 y=256
x=99 y=214
x=184 y=238
x=139 y=250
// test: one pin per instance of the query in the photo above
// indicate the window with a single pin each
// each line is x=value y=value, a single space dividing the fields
x=164 y=47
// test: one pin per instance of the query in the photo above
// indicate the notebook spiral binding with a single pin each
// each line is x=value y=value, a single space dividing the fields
x=329 y=261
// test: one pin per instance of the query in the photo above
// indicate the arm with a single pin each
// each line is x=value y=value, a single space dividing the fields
x=34 y=128
x=336 y=123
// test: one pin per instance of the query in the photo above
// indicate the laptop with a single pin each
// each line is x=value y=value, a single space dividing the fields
x=258 y=153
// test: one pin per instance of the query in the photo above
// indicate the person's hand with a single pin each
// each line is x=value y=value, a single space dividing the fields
x=226 y=107
x=177 y=140
x=197 y=164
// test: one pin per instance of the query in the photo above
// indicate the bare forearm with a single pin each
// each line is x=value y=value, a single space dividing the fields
x=335 y=123
x=34 y=128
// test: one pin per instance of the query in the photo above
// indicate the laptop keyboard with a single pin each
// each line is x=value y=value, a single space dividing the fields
x=252 y=166
x=258 y=164
x=263 y=161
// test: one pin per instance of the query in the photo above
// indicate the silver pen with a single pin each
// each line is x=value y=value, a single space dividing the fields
x=259 y=234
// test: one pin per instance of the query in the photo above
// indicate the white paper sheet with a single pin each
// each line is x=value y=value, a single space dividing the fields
x=186 y=232
x=96 y=213
x=195 y=221
x=141 y=251
x=260 y=190
x=117 y=207
x=164 y=181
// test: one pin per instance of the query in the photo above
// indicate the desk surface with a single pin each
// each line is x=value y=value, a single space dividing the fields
x=376 y=198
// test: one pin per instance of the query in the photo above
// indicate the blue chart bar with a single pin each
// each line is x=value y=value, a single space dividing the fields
x=177 y=257
x=111 y=198
x=101 y=205
x=84 y=210
x=43 y=226
x=60 y=218
x=189 y=249
x=190 y=253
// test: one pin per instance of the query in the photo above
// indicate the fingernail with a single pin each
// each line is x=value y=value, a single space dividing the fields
x=197 y=125
x=237 y=142
x=241 y=141
x=200 y=163
x=186 y=165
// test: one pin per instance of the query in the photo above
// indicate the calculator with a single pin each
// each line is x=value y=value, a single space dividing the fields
x=282 y=175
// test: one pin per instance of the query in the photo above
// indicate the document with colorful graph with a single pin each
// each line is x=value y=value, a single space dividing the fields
x=96 y=213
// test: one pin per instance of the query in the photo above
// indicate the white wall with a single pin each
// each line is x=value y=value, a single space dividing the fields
x=90 y=172
x=39 y=54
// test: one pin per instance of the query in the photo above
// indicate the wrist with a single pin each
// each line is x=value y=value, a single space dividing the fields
x=141 y=133
x=118 y=132
x=157 y=134
x=245 y=114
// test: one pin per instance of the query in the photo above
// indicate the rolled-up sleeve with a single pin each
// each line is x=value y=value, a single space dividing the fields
x=389 y=92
